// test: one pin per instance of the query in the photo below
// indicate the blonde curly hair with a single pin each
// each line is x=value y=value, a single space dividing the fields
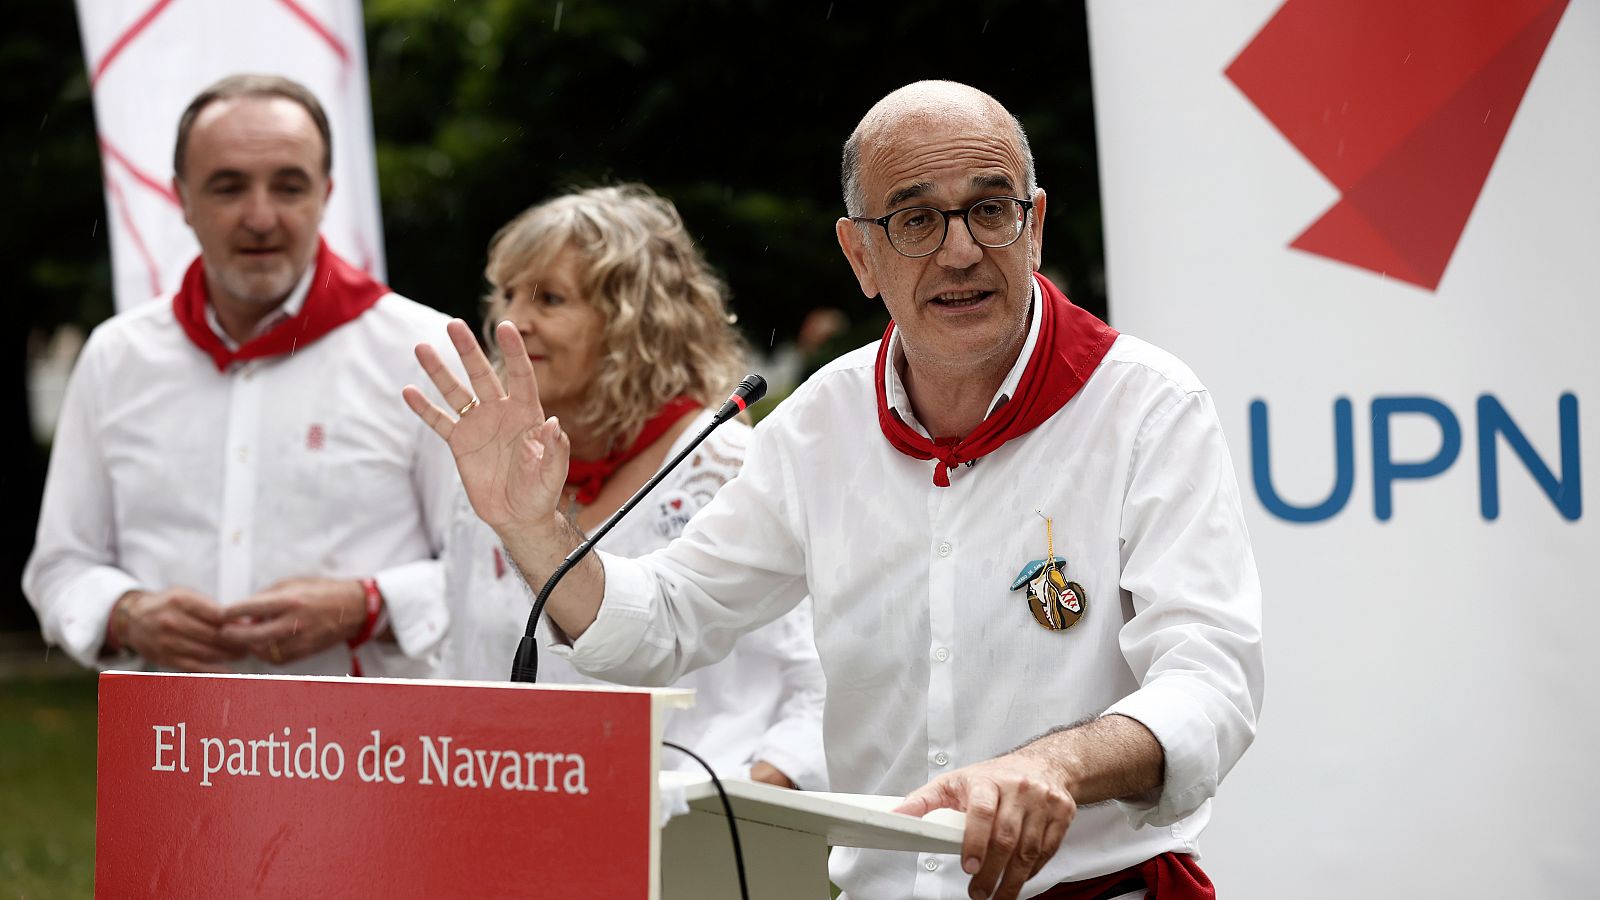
x=668 y=332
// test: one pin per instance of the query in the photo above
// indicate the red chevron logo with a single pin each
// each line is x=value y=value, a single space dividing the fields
x=1403 y=106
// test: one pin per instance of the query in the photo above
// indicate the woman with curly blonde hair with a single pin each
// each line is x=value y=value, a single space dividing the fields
x=633 y=349
x=622 y=316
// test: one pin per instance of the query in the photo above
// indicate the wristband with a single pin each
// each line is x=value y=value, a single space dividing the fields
x=369 y=586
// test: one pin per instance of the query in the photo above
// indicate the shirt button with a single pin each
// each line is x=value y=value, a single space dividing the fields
x=944 y=548
x=237 y=535
x=940 y=758
x=941 y=654
x=244 y=454
x=932 y=865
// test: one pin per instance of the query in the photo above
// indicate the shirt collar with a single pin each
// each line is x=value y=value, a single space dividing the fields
x=288 y=309
x=900 y=401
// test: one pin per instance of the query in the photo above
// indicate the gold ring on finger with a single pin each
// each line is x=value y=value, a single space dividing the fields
x=471 y=404
x=273 y=649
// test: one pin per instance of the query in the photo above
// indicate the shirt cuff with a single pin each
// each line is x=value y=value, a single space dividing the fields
x=413 y=598
x=1188 y=743
x=77 y=621
x=620 y=625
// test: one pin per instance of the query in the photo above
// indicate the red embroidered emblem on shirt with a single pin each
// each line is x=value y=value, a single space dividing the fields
x=499 y=564
x=315 y=437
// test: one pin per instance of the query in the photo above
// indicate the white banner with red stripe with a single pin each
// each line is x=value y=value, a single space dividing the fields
x=148 y=58
x=1371 y=227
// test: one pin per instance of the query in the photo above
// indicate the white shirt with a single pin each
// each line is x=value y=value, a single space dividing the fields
x=762 y=702
x=167 y=473
x=932 y=661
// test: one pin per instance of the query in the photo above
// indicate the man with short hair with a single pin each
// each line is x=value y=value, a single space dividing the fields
x=233 y=487
x=1033 y=590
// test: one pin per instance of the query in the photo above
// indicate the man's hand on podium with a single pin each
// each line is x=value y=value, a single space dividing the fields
x=1017 y=813
x=1020 y=805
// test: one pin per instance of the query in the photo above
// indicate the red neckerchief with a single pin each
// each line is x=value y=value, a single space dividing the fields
x=1071 y=343
x=590 y=475
x=1170 y=876
x=339 y=292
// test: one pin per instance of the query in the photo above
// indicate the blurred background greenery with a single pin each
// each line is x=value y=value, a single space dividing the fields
x=734 y=109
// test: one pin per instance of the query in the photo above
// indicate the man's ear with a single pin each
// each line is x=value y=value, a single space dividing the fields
x=1038 y=228
x=183 y=199
x=853 y=241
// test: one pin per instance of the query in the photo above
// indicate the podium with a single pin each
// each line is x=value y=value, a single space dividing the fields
x=271 y=786
x=784 y=835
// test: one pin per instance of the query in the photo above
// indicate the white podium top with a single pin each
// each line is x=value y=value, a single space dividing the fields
x=846 y=820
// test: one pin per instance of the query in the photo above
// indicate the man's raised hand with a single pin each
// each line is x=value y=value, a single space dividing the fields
x=512 y=460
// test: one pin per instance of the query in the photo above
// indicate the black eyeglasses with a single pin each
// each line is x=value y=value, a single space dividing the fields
x=917 y=231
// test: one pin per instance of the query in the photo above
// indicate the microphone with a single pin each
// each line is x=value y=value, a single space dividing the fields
x=750 y=390
x=525 y=666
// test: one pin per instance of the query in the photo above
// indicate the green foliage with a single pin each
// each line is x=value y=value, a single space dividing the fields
x=734 y=110
x=59 y=258
x=47 y=764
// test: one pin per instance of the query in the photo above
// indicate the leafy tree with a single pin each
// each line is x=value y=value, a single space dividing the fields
x=734 y=110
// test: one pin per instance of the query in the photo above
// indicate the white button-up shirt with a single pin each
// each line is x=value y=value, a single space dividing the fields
x=932 y=661
x=763 y=702
x=167 y=473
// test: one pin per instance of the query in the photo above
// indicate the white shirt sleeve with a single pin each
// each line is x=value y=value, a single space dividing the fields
x=1194 y=641
x=72 y=579
x=414 y=592
x=793 y=742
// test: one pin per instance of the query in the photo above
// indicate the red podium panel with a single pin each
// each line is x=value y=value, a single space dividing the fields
x=260 y=786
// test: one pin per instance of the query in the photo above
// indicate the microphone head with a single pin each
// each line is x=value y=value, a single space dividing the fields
x=751 y=389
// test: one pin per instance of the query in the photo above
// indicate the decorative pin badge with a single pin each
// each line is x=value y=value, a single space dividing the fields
x=1056 y=603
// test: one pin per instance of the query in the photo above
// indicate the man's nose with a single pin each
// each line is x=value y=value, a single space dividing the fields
x=260 y=214
x=960 y=250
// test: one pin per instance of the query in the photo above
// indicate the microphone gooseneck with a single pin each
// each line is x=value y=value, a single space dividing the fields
x=525 y=666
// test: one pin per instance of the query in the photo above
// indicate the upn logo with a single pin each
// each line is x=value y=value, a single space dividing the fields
x=1403 y=106
x=1495 y=428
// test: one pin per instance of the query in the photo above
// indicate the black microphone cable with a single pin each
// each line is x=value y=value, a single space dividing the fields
x=525 y=667
x=727 y=808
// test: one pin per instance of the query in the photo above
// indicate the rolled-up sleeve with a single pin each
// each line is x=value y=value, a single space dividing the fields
x=1194 y=641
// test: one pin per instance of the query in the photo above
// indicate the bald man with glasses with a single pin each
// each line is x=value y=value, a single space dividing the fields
x=1034 y=596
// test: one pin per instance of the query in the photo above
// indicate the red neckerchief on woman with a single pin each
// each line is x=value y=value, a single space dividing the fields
x=1071 y=343
x=590 y=475
x=1170 y=876
x=339 y=293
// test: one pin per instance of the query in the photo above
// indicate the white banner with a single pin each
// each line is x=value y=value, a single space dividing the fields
x=1372 y=227
x=148 y=58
